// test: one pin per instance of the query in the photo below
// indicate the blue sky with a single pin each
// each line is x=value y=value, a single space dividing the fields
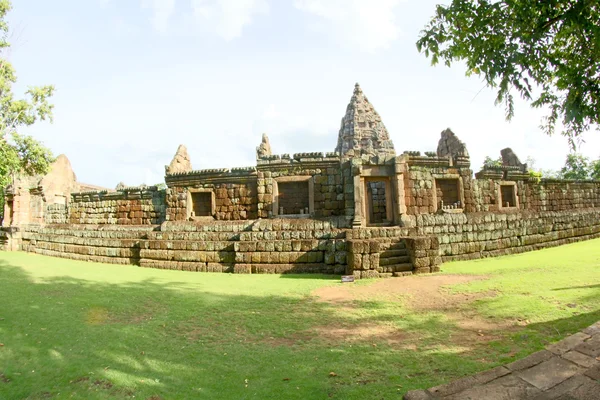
x=136 y=78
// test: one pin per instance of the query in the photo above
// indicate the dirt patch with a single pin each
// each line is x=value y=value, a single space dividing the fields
x=103 y=384
x=4 y=379
x=102 y=316
x=424 y=292
x=420 y=293
x=365 y=333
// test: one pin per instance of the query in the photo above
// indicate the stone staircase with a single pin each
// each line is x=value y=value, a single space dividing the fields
x=394 y=258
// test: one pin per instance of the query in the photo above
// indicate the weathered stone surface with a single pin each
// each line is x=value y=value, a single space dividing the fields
x=468 y=382
x=181 y=161
x=530 y=361
x=590 y=347
x=418 y=395
x=362 y=131
x=450 y=145
x=549 y=373
x=568 y=343
x=563 y=390
x=264 y=149
x=509 y=158
x=60 y=181
x=506 y=388
x=563 y=375
x=580 y=359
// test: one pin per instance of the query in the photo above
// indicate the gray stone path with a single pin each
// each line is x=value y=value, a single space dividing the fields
x=567 y=370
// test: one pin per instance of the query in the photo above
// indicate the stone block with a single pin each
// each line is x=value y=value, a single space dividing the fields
x=549 y=373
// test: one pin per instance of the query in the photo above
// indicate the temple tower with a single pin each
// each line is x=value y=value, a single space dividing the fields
x=362 y=131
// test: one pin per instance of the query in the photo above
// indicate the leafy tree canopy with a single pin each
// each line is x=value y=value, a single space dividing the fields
x=547 y=52
x=577 y=166
x=19 y=153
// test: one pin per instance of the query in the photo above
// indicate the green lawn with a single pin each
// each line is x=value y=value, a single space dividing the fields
x=82 y=330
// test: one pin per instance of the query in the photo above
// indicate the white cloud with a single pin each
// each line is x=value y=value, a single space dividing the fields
x=369 y=24
x=228 y=17
x=162 y=10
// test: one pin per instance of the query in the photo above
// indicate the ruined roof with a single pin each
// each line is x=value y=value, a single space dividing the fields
x=181 y=161
x=362 y=131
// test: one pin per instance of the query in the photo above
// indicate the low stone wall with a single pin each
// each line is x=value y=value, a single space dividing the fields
x=309 y=246
x=266 y=246
x=274 y=246
x=476 y=235
x=113 y=245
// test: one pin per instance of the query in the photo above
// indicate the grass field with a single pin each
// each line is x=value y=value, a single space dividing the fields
x=81 y=330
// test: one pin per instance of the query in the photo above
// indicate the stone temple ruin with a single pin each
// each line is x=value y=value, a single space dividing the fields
x=362 y=209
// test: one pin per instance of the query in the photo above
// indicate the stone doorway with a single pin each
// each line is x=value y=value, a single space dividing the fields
x=378 y=201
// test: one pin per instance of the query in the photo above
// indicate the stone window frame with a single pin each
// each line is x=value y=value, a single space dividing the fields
x=461 y=191
x=190 y=204
x=389 y=202
x=501 y=205
x=309 y=179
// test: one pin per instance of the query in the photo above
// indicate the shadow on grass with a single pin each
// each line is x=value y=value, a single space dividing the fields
x=579 y=287
x=97 y=340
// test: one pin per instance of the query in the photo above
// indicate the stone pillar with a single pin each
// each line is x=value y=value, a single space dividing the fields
x=359 y=197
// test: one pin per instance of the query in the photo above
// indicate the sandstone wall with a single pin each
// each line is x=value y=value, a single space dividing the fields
x=469 y=236
x=98 y=243
x=273 y=246
x=267 y=246
x=233 y=201
x=423 y=197
x=323 y=169
x=130 y=206
x=555 y=195
x=425 y=177
x=235 y=191
x=56 y=214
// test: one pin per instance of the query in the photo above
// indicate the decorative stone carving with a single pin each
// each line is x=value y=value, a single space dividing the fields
x=264 y=150
x=509 y=158
x=120 y=186
x=362 y=131
x=181 y=162
x=450 y=145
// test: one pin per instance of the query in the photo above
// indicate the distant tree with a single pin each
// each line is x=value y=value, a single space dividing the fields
x=546 y=51
x=490 y=162
x=19 y=153
x=539 y=173
x=577 y=167
x=595 y=170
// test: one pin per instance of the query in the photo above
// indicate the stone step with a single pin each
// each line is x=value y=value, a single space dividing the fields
x=406 y=267
x=393 y=245
x=394 y=260
x=393 y=253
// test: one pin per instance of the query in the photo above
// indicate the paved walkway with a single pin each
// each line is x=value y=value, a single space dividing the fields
x=567 y=370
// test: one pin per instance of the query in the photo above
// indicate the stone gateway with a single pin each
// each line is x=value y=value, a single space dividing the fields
x=361 y=210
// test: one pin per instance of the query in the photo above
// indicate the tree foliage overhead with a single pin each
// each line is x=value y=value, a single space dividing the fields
x=577 y=167
x=19 y=153
x=546 y=51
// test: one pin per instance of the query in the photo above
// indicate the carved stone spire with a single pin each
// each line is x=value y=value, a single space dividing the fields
x=451 y=145
x=265 y=148
x=181 y=162
x=362 y=131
